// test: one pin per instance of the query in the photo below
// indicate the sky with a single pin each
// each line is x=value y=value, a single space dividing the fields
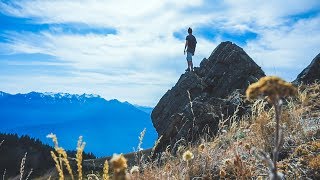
x=133 y=50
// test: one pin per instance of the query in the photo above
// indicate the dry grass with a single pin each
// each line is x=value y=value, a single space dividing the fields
x=235 y=152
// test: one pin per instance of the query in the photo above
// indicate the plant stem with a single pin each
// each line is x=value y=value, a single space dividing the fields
x=277 y=107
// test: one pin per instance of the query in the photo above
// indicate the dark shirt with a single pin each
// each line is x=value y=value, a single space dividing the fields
x=192 y=42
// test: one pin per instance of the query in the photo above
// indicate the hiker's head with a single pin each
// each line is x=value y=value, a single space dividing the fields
x=189 y=30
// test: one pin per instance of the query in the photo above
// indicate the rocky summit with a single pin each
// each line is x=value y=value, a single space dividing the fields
x=193 y=107
x=311 y=73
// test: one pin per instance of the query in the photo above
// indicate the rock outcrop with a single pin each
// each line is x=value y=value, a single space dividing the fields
x=311 y=73
x=199 y=99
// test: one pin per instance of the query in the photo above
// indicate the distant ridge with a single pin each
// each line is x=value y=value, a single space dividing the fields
x=145 y=109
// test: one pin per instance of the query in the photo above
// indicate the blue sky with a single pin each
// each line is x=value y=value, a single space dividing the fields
x=133 y=50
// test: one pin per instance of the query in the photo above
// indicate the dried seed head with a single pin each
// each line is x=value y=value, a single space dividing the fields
x=222 y=173
x=54 y=139
x=105 y=175
x=270 y=86
x=119 y=162
x=201 y=147
x=187 y=156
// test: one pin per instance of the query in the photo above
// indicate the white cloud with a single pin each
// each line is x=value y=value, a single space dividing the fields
x=143 y=59
x=287 y=46
x=267 y=13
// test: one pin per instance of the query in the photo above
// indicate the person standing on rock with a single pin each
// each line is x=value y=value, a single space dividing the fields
x=190 y=46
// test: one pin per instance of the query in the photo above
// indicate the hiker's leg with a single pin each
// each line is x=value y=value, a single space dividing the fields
x=189 y=59
x=190 y=65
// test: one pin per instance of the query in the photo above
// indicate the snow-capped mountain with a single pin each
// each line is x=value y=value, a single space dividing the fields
x=67 y=95
x=108 y=126
x=50 y=97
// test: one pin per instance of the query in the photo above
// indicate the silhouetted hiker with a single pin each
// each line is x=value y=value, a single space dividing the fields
x=191 y=43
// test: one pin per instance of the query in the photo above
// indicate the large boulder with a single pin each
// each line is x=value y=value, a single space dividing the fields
x=199 y=99
x=311 y=73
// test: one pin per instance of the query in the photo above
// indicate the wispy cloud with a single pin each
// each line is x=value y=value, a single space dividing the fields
x=133 y=50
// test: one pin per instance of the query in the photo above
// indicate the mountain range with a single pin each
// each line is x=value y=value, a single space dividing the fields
x=108 y=126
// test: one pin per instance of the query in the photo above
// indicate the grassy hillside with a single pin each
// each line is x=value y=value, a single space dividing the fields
x=240 y=150
x=235 y=152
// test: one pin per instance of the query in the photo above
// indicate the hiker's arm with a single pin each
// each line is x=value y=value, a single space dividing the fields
x=185 y=46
